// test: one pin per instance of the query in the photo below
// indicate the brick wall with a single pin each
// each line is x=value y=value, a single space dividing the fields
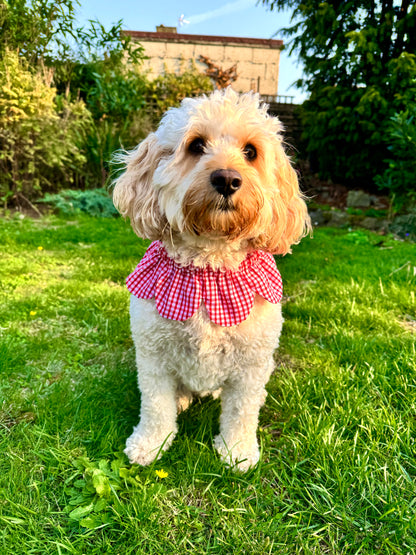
x=257 y=59
x=289 y=116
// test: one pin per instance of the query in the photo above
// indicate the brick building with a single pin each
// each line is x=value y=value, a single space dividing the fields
x=257 y=59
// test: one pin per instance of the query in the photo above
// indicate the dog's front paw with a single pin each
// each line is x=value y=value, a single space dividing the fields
x=241 y=455
x=144 y=449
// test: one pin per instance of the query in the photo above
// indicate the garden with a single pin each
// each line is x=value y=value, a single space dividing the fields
x=337 y=431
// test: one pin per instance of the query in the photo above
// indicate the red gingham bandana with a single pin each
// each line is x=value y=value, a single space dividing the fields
x=228 y=295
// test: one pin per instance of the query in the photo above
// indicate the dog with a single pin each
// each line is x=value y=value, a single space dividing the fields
x=214 y=191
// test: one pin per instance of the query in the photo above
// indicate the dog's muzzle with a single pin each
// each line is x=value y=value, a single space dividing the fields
x=226 y=182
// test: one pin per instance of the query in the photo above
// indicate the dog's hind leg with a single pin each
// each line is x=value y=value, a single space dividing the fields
x=184 y=398
x=157 y=427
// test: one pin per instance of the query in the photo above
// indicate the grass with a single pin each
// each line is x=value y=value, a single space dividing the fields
x=338 y=466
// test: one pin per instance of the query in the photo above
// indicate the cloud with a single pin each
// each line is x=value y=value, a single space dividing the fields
x=224 y=10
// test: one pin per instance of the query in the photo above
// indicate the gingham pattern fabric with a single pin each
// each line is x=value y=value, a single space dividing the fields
x=228 y=295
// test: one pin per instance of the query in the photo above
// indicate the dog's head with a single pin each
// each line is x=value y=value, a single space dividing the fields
x=216 y=168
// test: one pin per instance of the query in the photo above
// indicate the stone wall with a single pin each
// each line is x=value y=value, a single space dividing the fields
x=288 y=115
x=257 y=59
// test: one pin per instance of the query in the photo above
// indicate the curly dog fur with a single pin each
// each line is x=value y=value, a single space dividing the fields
x=169 y=193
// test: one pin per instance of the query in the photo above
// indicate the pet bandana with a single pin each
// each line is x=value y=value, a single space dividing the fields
x=228 y=295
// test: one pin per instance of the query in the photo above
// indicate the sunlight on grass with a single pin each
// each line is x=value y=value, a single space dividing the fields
x=337 y=473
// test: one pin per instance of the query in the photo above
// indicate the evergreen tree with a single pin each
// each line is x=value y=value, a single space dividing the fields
x=360 y=70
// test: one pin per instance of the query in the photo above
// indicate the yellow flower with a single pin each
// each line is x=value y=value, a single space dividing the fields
x=161 y=474
x=32 y=312
x=40 y=248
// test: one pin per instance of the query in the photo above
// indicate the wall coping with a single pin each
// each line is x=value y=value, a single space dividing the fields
x=203 y=39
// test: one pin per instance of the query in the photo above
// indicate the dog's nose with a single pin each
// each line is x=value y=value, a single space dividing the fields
x=226 y=182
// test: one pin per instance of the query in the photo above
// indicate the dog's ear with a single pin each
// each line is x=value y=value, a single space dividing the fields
x=134 y=195
x=290 y=221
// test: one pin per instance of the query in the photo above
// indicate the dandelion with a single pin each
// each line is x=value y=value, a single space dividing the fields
x=40 y=248
x=32 y=312
x=161 y=474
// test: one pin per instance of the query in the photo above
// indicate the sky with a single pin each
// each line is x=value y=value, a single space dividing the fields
x=239 y=18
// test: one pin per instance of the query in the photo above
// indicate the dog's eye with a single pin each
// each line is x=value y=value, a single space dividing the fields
x=250 y=152
x=197 y=146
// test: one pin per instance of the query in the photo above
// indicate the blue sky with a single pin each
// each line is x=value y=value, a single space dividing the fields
x=241 y=18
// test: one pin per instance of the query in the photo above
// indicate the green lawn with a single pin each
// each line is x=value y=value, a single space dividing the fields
x=337 y=473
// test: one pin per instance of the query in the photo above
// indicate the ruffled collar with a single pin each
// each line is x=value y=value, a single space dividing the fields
x=228 y=295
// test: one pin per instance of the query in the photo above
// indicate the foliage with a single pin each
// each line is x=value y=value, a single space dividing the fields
x=41 y=135
x=95 y=202
x=337 y=471
x=90 y=85
x=45 y=31
x=36 y=28
x=95 y=488
x=115 y=95
x=84 y=97
x=99 y=490
x=104 y=70
x=126 y=106
x=169 y=89
x=94 y=65
x=404 y=226
x=400 y=135
x=112 y=92
x=360 y=69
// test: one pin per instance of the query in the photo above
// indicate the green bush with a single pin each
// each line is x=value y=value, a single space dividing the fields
x=169 y=89
x=108 y=135
x=69 y=97
x=65 y=109
x=41 y=135
x=344 y=127
x=127 y=106
x=359 y=68
x=38 y=29
x=95 y=202
x=115 y=95
x=400 y=176
x=114 y=92
x=405 y=226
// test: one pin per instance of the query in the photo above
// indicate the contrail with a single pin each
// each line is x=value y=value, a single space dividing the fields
x=224 y=10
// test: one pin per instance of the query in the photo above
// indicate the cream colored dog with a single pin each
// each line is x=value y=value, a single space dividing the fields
x=214 y=187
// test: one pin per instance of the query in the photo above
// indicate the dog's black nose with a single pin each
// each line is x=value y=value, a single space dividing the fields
x=226 y=182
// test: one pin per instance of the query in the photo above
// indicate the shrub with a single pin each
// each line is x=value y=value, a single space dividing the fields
x=65 y=109
x=41 y=135
x=344 y=126
x=107 y=136
x=95 y=202
x=169 y=89
x=47 y=148
x=359 y=66
x=115 y=96
x=405 y=225
x=400 y=176
x=128 y=106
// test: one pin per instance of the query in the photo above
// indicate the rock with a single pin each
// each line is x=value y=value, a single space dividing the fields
x=319 y=217
x=379 y=203
x=339 y=219
x=404 y=226
x=358 y=199
x=373 y=224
